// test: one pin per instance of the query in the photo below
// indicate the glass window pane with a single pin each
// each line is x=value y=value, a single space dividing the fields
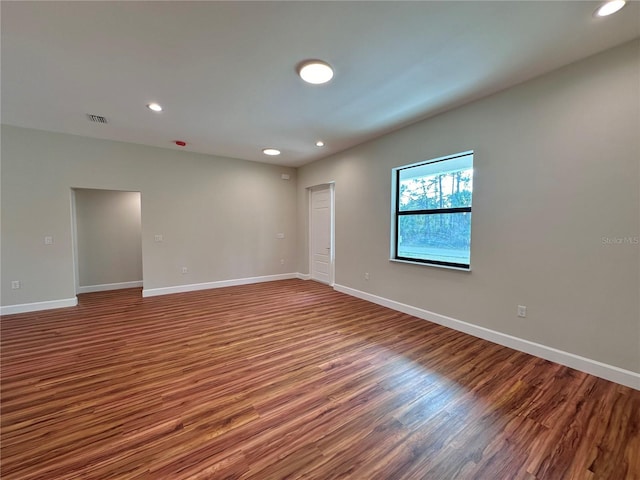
x=444 y=184
x=443 y=237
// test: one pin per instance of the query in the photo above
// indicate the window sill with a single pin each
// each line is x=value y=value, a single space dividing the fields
x=422 y=264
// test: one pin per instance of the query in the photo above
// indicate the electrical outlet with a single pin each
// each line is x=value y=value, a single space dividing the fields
x=48 y=240
x=282 y=261
x=522 y=311
x=185 y=270
x=15 y=284
x=366 y=276
x=158 y=238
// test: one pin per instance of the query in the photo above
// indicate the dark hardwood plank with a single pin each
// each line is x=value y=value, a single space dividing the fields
x=292 y=380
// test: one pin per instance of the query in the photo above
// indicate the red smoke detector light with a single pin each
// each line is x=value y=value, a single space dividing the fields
x=180 y=143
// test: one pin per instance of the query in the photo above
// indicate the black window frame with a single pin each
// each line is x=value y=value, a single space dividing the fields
x=434 y=211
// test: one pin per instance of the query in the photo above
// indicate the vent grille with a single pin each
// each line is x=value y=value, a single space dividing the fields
x=97 y=118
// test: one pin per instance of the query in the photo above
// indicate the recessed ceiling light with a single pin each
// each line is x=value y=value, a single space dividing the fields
x=609 y=7
x=319 y=143
x=315 y=71
x=155 y=107
x=271 y=151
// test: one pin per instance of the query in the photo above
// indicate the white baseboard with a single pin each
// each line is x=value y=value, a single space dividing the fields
x=72 y=302
x=152 y=292
x=587 y=365
x=109 y=286
x=37 y=306
x=303 y=276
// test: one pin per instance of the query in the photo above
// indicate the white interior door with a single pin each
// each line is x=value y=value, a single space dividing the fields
x=321 y=243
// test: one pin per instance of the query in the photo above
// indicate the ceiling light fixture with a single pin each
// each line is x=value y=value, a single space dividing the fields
x=271 y=151
x=319 y=143
x=609 y=7
x=315 y=71
x=155 y=107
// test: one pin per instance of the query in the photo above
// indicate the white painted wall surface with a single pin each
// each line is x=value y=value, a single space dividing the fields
x=218 y=216
x=557 y=173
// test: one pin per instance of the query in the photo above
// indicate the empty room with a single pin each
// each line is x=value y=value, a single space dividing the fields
x=320 y=239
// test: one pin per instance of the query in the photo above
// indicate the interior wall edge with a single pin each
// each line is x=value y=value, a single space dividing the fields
x=577 y=362
x=153 y=292
x=109 y=286
x=38 y=306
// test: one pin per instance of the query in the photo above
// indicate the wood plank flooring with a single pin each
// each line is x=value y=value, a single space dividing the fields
x=291 y=379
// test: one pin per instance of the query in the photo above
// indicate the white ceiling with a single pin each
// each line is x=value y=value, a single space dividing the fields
x=225 y=71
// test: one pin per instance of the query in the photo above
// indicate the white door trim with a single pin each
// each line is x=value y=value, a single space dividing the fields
x=74 y=244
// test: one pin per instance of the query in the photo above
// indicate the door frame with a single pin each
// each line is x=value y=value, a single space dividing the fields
x=332 y=257
x=74 y=233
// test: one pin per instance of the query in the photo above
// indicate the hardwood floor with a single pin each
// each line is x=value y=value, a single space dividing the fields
x=291 y=379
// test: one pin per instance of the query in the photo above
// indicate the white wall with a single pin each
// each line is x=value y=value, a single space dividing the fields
x=556 y=172
x=219 y=216
x=109 y=237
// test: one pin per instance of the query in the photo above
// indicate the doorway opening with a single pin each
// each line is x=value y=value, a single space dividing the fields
x=107 y=239
x=321 y=233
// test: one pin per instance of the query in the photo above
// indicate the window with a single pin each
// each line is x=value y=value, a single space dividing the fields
x=432 y=211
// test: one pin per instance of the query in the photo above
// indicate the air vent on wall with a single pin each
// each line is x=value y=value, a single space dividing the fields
x=97 y=118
